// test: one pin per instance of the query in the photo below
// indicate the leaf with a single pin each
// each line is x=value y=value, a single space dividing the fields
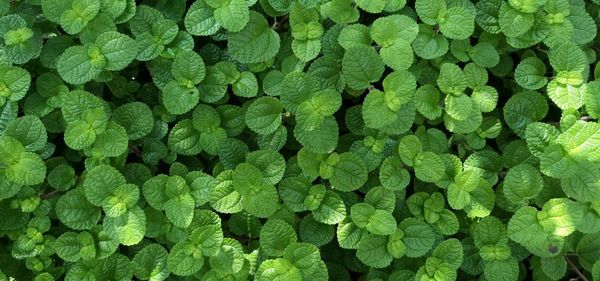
x=79 y=64
x=349 y=174
x=150 y=261
x=233 y=16
x=275 y=236
x=179 y=99
x=458 y=107
x=264 y=115
x=180 y=210
x=117 y=49
x=372 y=251
x=429 y=167
x=246 y=86
x=375 y=110
x=361 y=66
x=512 y=22
x=522 y=182
x=531 y=73
x=255 y=38
x=418 y=237
x=136 y=118
x=456 y=23
x=559 y=216
x=428 y=11
x=579 y=139
x=16 y=81
x=199 y=20
x=188 y=68
x=404 y=28
x=392 y=176
x=322 y=139
x=182 y=261
x=73 y=210
x=503 y=270
x=129 y=228
x=278 y=269
x=524 y=108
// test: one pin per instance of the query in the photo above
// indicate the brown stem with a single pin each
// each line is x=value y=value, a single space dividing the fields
x=49 y=194
x=574 y=267
x=135 y=150
x=277 y=24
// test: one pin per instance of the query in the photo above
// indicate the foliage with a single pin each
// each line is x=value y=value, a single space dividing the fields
x=299 y=140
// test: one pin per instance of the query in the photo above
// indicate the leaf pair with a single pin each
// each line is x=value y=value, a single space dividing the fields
x=112 y=51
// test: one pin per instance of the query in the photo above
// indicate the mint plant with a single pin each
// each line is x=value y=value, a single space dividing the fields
x=426 y=140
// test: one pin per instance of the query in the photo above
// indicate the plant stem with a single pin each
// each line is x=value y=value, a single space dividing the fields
x=276 y=24
x=49 y=194
x=135 y=150
x=574 y=267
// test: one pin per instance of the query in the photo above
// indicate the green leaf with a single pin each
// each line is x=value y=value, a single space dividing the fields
x=378 y=222
x=531 y=74
x=566 y=96
x=560 y=216
x=375 y=110
x=372 y=251
x=392 y=176
x=233 y=16
x=180 y=210
x=29 y=131
x=255 y=38
x=136 y=118
x=458 y=107
x=502 y=270
x=275 y=236
x=429 y=167
x=349 y=174
x=512 y=22
x=128 y=228
x=278 y=269
x=451 y=80
x=150 y=263
x=581 y=139
x=188 y=68
x=522 y=182
x=456 y=23
x=80 y=64
x=246 y=86
x=523 y=109
x=322 y=139
x=199 y=20
x=409 y=148
x=312 y=112
x=14 y=84
x=117 y=49
x=375 y=6
x=74 y=211
x=428 y=11
x=418 y=237
x=555 y=267
x=179 y=99
x=81 y=13
x=264 y=115
x=79 y=135
x=361 y=66
x=394 y=29
x=183 y=259
x=307 y=259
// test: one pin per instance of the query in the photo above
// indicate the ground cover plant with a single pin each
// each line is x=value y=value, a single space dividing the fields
x=299 y=140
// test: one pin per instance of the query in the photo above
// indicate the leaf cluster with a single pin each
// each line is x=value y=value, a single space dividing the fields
x=426 y=140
